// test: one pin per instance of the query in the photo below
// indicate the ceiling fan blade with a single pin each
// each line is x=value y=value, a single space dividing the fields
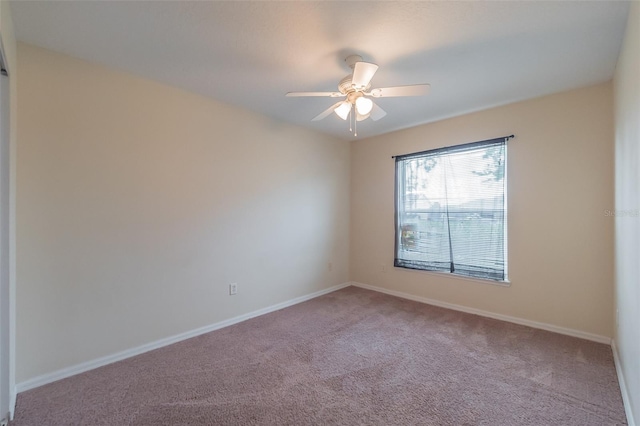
x=363 y=72
x=377 y=113
x=412 y=90
x=326 y=94
x=326 y=112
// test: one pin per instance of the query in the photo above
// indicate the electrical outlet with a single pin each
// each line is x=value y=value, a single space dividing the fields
x=330 y=266
x=383 y=268
x=233 y=289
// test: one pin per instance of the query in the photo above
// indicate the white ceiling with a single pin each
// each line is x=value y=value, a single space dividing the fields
x=474 y=54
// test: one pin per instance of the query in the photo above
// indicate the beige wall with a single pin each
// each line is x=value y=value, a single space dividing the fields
x=627 y=182
x=139 y=203
x=560 y=181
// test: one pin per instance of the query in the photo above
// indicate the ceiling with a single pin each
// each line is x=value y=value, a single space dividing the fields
x=474 y=54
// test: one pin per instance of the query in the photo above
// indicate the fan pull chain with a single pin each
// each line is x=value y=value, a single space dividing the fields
x=350 y=128
x=355 y=126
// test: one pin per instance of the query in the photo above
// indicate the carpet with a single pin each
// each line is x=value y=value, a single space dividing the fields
x=351 y=357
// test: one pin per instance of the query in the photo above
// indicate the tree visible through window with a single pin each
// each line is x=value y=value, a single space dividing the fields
x=451 y=210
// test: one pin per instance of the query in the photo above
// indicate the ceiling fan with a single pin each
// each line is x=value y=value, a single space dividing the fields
x=356 y=89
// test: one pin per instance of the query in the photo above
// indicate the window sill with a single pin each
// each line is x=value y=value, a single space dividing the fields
x=505 y=283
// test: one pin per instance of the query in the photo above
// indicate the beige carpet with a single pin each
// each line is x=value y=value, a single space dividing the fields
x=352 y=357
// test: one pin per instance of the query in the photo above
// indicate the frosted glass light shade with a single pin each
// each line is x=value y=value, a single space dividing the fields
x=364 y=105
x=343 y=109
x=362 y=117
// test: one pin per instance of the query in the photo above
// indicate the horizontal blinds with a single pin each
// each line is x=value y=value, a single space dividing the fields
x=450 y=210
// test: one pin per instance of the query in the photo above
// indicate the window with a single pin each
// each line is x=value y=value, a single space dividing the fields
x=451 y=210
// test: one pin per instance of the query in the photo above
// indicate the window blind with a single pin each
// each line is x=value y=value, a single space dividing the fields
x=451 y=210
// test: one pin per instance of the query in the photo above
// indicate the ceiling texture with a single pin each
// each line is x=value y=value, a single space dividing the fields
x=474 y=54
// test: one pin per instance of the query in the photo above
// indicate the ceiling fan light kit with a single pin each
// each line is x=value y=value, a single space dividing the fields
x=354 y=87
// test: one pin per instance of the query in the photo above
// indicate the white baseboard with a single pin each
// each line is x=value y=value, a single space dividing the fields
x=626 y=396
x=90 y=365
x=515 y=320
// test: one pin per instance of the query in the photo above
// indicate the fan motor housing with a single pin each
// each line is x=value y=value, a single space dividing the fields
x=345 y=86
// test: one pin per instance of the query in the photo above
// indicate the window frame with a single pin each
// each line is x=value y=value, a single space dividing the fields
x=504 y=281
